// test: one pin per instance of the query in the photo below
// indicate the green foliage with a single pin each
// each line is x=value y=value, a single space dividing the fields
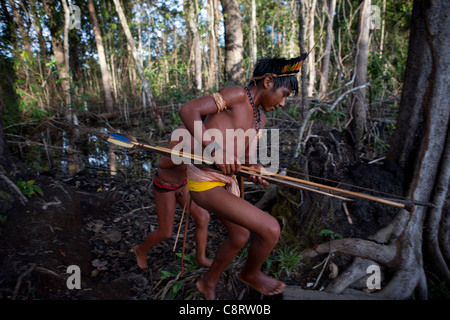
x=331 y=117
x=294 y=111
x=284 y=260
x=174 y=280
x=28 y=188
x=333 y=235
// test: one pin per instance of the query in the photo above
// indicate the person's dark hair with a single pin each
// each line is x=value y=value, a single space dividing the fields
x=274 y=66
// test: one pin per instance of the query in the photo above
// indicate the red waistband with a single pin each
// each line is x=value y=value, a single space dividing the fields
x=162 y=186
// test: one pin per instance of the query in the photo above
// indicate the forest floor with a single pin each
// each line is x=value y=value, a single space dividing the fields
x=91 y=222
x=94 y=222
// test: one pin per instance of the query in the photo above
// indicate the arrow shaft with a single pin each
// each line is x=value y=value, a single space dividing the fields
x=130 y=143
x=322 y=186
x=269 y=176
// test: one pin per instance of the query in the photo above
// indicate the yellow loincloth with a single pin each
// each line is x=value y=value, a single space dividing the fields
x=202 y=180
x=204 y=185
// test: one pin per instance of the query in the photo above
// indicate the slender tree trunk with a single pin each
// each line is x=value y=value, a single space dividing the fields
x=74 y=137
x=212 y=74
x=219 y=59
x=145 y=83
x=311 y=61
x=327 y=49
x=38 y=28
x=234 y=39
x=106 y=77
x=175 y=53
x=302 y=46
x=293 y=35
x=21 y=27
x=195 y=48
x=383 y=27
x=165 y=57
x=359 y=107
x=65 y=66
x=58 y=50
x=253 y=35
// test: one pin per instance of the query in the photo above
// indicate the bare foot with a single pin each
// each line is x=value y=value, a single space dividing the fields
x=263 y=283
x=208 y=291
x=203 y=262
x=141 y=258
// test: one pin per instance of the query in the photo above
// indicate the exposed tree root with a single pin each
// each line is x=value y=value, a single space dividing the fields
x=355 y=247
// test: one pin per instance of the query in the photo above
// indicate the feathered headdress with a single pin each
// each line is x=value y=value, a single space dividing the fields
x=285 y=67
x=293 y=65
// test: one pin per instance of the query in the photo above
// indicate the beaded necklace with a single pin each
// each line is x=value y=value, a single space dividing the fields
x=256 y=113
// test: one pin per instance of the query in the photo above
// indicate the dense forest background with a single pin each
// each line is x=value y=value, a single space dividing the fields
x=181 y=49
x=128 y=65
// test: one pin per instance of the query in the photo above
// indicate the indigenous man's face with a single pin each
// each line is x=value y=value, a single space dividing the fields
x=276 y=98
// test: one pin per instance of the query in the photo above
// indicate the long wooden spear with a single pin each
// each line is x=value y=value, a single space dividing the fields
x=132 y=142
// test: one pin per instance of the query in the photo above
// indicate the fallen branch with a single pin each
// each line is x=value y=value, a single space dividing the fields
x=57 y=202
x=19 y=280
x=349 y=219
x=13 y=186
x=321 y=272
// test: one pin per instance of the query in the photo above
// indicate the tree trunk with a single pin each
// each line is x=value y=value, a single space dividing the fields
x=58 y=51
x=359 y=107
x=175 y=53
x=234 y=39
x=4 y=152
x=38 y=28
x=327 y=50
x=71 y=116
x=21 y=28
x=421 y=146
x=145 y=83
x=253 y=36
x=293 y=34
x=302 y=46
x=212 y=74
x=195 y=67
x=311 y=61
x=106 y=77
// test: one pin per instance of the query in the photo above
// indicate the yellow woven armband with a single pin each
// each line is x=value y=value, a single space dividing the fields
x=220 y=103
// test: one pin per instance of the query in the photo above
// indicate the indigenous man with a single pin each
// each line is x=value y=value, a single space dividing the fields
x=170 y=188
x=234 y=107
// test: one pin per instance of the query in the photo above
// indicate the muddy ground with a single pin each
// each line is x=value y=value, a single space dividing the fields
x=93 y=222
